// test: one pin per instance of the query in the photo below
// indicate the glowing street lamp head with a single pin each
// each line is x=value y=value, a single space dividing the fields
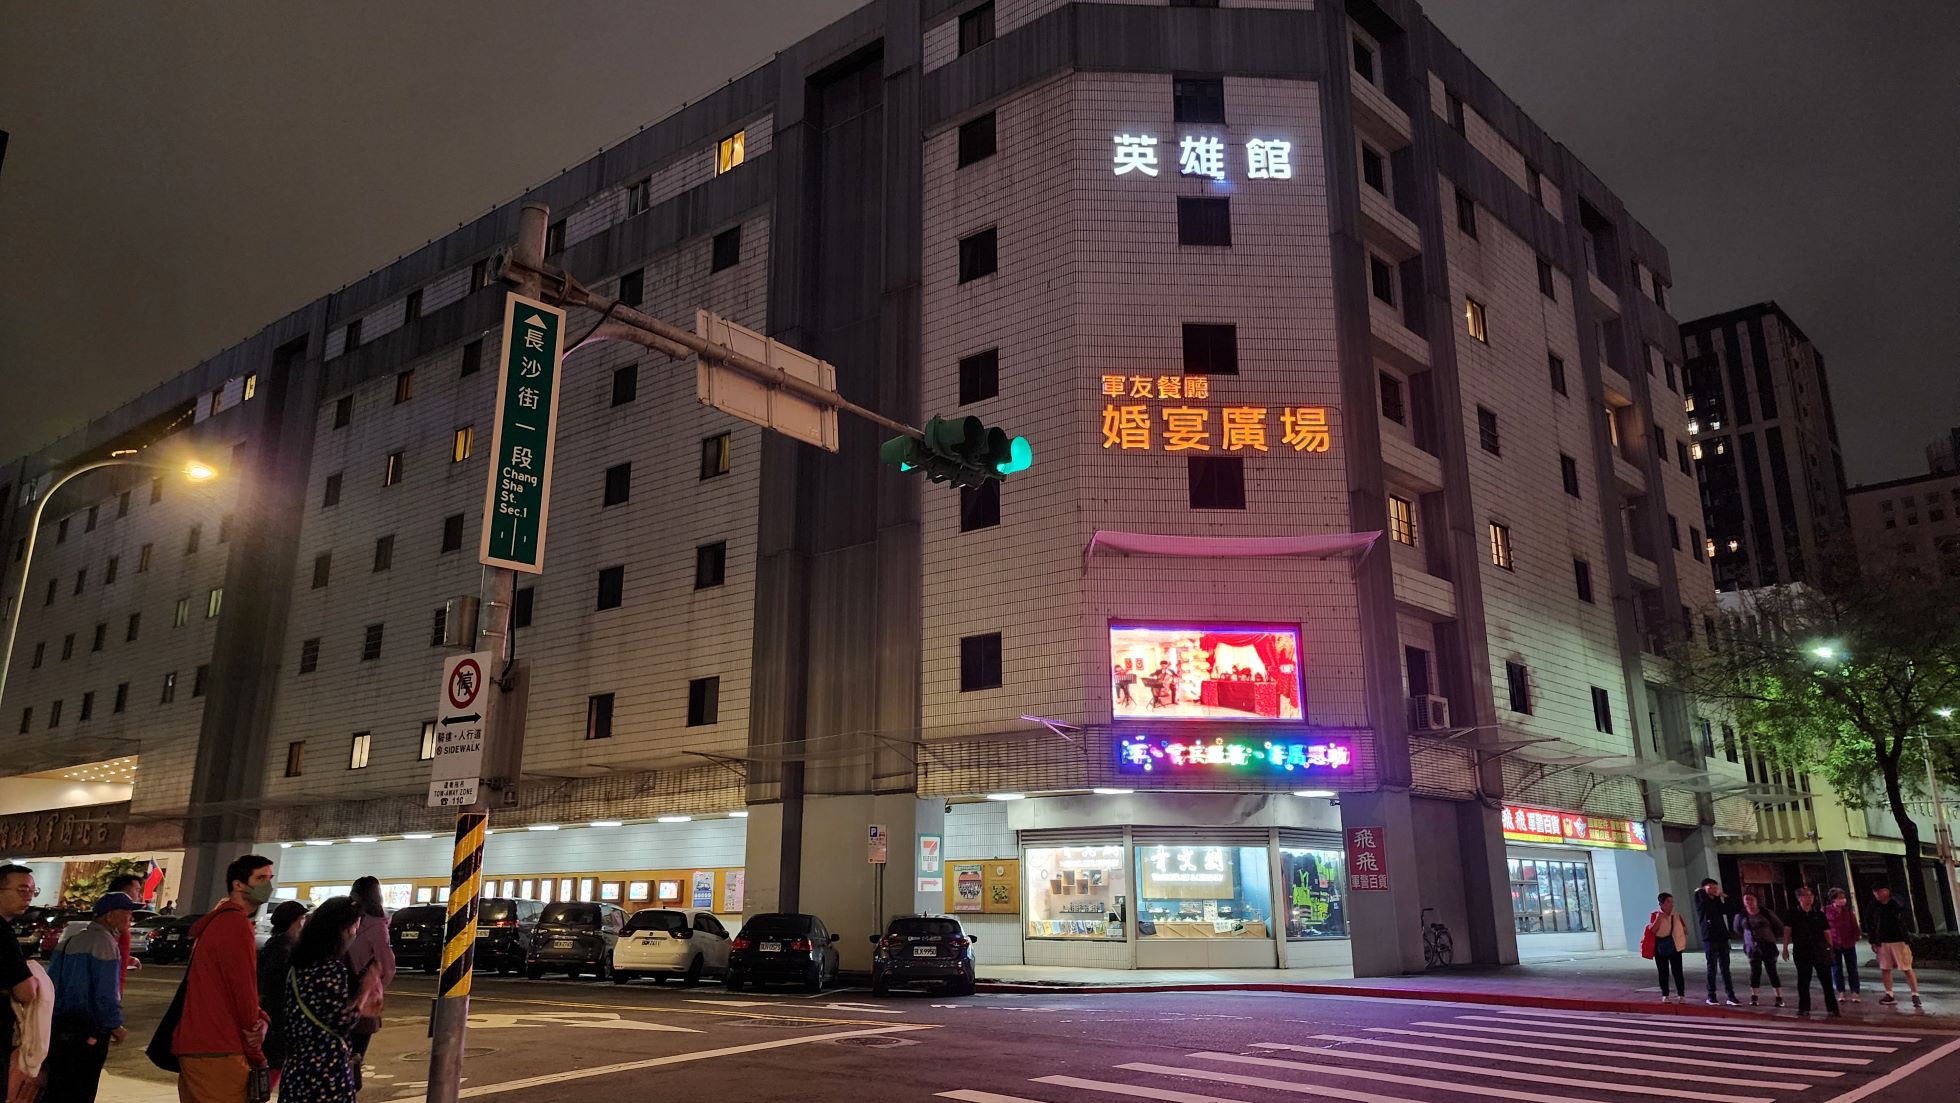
x=198 y=472
x=1824 y=651
x=1944 y=714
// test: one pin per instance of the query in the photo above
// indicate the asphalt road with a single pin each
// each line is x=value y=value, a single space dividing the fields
x=552 y=1040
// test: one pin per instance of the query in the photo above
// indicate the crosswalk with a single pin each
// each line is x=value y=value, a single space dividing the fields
x=1518 y=1055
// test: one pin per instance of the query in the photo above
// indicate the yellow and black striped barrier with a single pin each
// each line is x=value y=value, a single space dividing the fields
x=465 y=881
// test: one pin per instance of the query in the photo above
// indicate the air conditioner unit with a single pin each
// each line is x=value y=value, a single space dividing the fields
x=1429 y=713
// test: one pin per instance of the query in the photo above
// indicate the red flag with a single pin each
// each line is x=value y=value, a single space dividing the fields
x=152 y=882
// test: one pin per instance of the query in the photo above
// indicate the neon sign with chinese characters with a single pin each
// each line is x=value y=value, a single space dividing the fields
x=1145 y=754
x=1132 y=426
x=1203 y=155
x=1539 y=825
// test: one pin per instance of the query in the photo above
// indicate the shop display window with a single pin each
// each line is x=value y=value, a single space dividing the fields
x=1551 y=897
x=527 y=890
x=1075 y=891
x=425 y=894
x=1203 y=890
x=1314 y=894
x=609 y=891
x=639 y=891
x=670 y=892
x=585 y=888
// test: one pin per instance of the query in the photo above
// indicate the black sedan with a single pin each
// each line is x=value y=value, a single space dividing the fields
x=923 y=949
x=415 y=933
x=783 y=947
x=170 y=939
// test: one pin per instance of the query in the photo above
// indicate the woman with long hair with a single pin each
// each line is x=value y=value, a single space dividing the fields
x=370 y=953
x=323 y=1002
x=275 y=957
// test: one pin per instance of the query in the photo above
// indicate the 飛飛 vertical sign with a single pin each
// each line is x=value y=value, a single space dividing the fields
x=519 y=493
x=1367 y=860
x=462 y=707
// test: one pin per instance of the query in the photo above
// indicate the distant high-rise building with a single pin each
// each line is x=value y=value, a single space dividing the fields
x=1943 y=455
x=1772 y=475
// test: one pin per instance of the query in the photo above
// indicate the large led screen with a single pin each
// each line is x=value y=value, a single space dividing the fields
x=1205 y=672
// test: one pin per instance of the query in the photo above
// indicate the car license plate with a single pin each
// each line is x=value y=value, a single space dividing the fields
x=925 y=951
x=483 y=934
x=409 y=936
x=564 y=942
x=771 y=947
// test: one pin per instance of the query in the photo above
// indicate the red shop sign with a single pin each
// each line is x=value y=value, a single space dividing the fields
x=1367 y=859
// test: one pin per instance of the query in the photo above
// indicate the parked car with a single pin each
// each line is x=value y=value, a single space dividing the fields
x=660 y=943
x=783 y=947
x=504 y=929
x=31 y=928
x=923 y=949
x=574 y=937
x=170 y=939
x=139 y=938
x=59 y=924
x=415 y=933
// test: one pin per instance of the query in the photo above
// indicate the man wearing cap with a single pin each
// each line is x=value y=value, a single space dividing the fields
x=87 y=973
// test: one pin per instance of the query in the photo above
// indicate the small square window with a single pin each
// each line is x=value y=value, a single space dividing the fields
x=976 y=139
x=612 y=587
x=1216 y=482
x=976 y=28
x=1364 y=61
x=309 y=655
x=979 y=376
x=1466 y=214
x=1392 y=405
x=1487 y=431
x=1500 y=546
x=599 y=716
x=1602 y=711
x=384 y=552
x=726 y=249
x=1582 y=579
x=412 y=305
x=343 y=414
x=1546 y=286
x=703 y=701
x=331 y=496
x=427 y=750
x=1568 y=473
x=1557 y=369
x=1374 y=168
x=731 y=151
x=625 y=384
x=1473 y=321
x=295 y=758
x=462 y=444
x=632 y=287
x=1211 y=349
x=554 y=238
x=1381 y=279
x=714 y=456
x=1401 y=520
x=639 y=196
x=1198 y=100
x=710 y=564
x=404 y=386
x=472 y=358
x=371 y=643
x=392 y=473
x=452 y=532
x=980 y=506
x=521 y=606
x=979 y=255
x=619 y=485
x=357 y=752
x=1518 y=681
x=980 y=662
x=1204 y=220
x=322 y=569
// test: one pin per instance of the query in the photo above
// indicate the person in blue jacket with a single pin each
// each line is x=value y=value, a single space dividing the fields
x=87 y=971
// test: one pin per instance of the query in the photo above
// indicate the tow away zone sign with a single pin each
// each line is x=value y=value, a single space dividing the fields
x=462 y=708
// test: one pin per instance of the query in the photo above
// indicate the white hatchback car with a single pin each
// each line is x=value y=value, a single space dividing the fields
x=688 y=943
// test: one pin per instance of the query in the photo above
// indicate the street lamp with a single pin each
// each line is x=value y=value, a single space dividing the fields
x=193 y=470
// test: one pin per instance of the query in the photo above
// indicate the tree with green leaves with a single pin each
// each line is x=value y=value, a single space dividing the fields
x=1857 y=682
x=83 y=892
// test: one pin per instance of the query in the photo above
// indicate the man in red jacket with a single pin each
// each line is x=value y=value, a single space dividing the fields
x=217 y=1040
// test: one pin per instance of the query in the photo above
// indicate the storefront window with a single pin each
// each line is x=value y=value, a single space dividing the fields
x=1551 y=897
x=1199 y=890
x=1075 y=891
x=1315 y=880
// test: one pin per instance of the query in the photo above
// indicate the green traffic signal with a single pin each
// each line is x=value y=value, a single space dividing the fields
x=959 y=450
x=1020 y=457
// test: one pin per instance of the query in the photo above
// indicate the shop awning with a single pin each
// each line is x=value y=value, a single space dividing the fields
x=1337 y=545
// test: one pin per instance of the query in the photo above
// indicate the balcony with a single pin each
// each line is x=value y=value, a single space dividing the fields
x=1388 y=229
x=1418 y=469
x=1377 y=116
x=1416 y=590
x=1629 y=476
x=1603 y=294
x=1393 y=341
x=1644 y=571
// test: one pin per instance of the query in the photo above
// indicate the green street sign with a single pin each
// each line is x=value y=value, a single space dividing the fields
x=519 y=493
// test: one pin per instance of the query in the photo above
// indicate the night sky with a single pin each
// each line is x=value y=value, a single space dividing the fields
x=180 y=175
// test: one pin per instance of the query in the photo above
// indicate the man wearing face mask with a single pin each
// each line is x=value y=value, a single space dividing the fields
x=219 y=1037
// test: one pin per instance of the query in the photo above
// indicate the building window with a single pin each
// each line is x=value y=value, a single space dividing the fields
x=322 y=569
x=472 y=358
x=1695 y=542
x=1374 y=168
x=89 y=524
x=1381 y=279
x=1673 y=532
x=135 y=625
x=1728 y=743
x=1456 y=113
x=357 y=752
x=1473 y=321
x=331 y=496
x=1364 y=60
x=612 y=587
x=371 y=643
x=40 y=654
x=1518 y=680
x=200 y=678
x=731 y=151
x=1568 y=473
x=404 y=386
x=1500 y=546
x=26 y=719
x=1551 y=897
x=1681 y=458
x=1602 y=711
x=632 y=287
x=426 y=751
x=1545 y=285
x=625 y=384
x=196 y=537
x=224 y=529
x=183 y=614
x=1466 y=214
x=1204 y=220
x=1211 y=349
x=353 y=336
x=714 y=456
x=1392 y=407
x=393 y=472
x=463 y=443
x=554 y=238
x=710 y=564
x=980 y=662
x=1216 y=482
x=384 y=552
x=599 y=716
x=979 y=376
x=726 y=249
x=479 y=274
x=68 y=647
x=81 y=576
x=101 y=636
x=1487 y=430
x=703 y=701
x=309 y=655
x=295 y=758
x=619 y=485
x=976 y=139
x=976 y=28
x=639 y=196
x=1402 y=520
x=122 y=504
x=439 y=627
x=214 y=602
x=343 y=412
x=452 y=532
x=156 y=490
x=1198 y=100
x=54 y=714
x=54 y=587
x=521 y=606
x=979 y=255
x=1582 y=579
x=980 y=506
x=122 y=697
x=169 y=688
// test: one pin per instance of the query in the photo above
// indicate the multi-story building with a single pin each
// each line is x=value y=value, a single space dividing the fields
x=1354 y=519
x=1772 y=477
x=1909 y=524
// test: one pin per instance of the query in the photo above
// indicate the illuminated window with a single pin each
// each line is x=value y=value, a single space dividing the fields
x=1473 y=321
x=1500 y=545
x=1072 y=891
x=295 y=758
x=214 y=602
x=427 y=749
x=251 y=386
x=731 y=151
x=1197 y=889
x=357 y=754
x=1551 y=897
x=392 y=474
x=1402 y=520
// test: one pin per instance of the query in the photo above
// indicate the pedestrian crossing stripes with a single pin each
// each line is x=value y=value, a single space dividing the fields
x=1516 y=1055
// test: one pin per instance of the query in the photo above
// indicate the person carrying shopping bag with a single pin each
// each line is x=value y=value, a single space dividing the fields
x=1762 y=935
x=1669 y=934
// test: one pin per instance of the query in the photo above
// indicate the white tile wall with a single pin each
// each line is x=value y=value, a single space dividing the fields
x=705 y=844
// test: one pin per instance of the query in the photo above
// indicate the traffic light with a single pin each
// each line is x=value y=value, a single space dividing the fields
x=959 y=450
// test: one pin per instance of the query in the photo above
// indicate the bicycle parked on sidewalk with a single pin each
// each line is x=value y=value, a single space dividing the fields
x=1437 y=947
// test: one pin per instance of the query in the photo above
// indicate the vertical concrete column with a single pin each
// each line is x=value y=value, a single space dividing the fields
x=1385 y=925
x=1492 y=937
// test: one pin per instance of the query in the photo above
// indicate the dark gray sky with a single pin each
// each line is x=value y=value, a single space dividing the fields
x=182 y=174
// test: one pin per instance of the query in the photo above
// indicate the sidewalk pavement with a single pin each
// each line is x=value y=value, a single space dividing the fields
x=125 y=1089
x=1606 y=981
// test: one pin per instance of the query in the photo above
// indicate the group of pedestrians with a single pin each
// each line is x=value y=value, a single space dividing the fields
x=295 y=1014
x=1821 y=939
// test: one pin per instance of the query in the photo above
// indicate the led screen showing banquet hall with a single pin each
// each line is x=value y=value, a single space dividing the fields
x=1205 y=672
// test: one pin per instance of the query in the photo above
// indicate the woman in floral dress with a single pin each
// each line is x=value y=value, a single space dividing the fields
x=323 y=1000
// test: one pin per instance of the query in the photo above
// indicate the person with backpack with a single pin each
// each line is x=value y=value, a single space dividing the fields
x=1762 y=934
x=370 y=952
x=220 y=1031
x=324 y=1000
x=1715 y=916
x=1807 y=939
x=1844 y=945
x=1669 y=934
